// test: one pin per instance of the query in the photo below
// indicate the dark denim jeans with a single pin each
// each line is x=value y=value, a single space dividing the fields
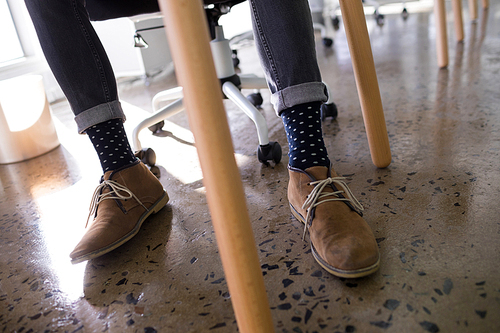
x=283 y=33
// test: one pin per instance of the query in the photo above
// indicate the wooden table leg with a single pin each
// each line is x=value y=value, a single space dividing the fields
x=473 y=9
x=441 y=36
x=188 y=35
x=366 y=81
x=459 y=24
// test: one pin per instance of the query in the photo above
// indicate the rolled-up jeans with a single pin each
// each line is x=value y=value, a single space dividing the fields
x=282 y=28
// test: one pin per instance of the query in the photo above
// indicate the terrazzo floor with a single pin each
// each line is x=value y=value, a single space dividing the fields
x=434 y=211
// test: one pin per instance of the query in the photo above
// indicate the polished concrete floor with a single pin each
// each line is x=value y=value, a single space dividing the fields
x=435 y=210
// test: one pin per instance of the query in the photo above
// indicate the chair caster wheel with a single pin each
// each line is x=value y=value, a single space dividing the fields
x=256 y=99
x=236 y=60
x=157 y=128
x=379 y=18
x=405 y=14
x=328 y=42
x=336 y=23
x=271 y=151
x=147 y=156
x=328 y=110
x=156 y=171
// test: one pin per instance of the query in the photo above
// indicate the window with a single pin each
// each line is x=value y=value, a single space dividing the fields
x=11 y=46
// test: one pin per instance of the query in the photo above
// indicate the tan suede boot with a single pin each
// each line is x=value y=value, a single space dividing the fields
x=341 y=240
x=121 y=203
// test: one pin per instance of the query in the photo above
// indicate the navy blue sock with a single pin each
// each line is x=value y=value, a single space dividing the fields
x=306 y=147
x=111 y=144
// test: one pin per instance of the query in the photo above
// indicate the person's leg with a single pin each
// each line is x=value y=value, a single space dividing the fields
x=82 y=69
x=77 y=60
x=341 y=241
x=81 y=66
x=285 y=42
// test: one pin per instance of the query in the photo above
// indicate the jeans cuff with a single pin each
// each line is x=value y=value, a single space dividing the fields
x=299 y=94
x=99 y=114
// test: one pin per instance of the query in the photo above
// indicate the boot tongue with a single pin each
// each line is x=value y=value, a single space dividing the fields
x=109 y=174
x=318 y=172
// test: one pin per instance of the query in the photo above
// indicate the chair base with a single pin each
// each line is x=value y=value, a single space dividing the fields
x=223 y=61
x=231 y=85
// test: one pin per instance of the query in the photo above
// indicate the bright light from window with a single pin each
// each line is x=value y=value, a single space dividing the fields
x=23 y=101
x=11 y=46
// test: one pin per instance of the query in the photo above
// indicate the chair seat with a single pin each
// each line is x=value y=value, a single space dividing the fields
x=100 y=10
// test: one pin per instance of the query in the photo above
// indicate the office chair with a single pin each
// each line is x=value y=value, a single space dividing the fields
x=379 y=18
x=231 y=84
x=317 y=11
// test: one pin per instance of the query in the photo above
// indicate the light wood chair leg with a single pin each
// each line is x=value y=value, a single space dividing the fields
x=486 y=4
x=459 y=24
x=366 y=81
x=187 y=32
x=473 y=9
x=441 y=36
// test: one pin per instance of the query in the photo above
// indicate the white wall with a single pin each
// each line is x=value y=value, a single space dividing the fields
x=117 y=37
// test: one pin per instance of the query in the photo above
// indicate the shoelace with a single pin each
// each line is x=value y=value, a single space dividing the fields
x=116 y=190
x=317 y=197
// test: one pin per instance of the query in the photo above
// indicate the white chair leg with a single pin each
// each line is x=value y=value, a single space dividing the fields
x=328 y=109
x=234 y=94
x=166 y=95
x=252 y=81
x=223 y=64
x=159 y=116
x=330 y=99
x=321 y=28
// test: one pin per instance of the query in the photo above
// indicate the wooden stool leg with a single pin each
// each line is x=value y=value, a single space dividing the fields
x=188 y=34
x=473 y=9
x=459 y=24
x=366 y=81
x=441 y=37
x=486 y=4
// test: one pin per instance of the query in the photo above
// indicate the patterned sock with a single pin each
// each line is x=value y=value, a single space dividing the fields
x=305 y=139
x=111 y=144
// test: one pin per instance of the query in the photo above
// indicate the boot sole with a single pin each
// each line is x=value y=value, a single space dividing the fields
x=155 y=208
x=349 y=274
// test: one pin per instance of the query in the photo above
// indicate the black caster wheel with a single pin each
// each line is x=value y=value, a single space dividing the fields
x=328 y=42
x=256 y=99
x=236 y=60
x=329 y=110
x=380 y=19
x=157 y=128
x=336 y=23
x=405 y=14
x=269 y=152
x=156 y=171
x=147 y=156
